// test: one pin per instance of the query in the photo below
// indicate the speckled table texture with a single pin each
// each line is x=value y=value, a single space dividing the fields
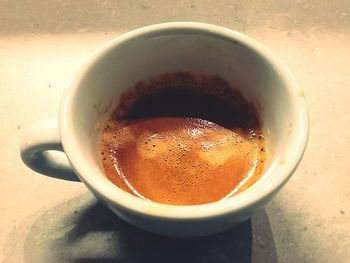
x=49 y=220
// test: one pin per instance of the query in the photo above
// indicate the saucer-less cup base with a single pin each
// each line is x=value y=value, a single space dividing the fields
x=94 y=93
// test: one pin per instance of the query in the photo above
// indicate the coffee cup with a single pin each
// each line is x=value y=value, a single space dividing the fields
x=95 y=90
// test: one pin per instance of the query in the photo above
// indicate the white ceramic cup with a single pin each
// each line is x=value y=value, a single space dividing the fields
x=94 y=93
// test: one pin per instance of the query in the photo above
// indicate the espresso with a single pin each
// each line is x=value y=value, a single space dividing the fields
x=183 y=139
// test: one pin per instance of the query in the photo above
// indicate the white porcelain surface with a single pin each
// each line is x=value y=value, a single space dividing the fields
x=95 y=92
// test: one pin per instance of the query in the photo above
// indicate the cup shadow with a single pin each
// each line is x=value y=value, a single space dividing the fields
x=83 y=230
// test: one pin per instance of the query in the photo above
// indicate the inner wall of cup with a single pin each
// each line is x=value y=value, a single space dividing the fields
x=120 y=66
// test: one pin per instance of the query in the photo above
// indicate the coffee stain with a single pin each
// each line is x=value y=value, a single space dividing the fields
x=106 y=109
x=98 y=125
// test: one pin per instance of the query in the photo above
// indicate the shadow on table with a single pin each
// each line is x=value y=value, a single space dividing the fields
x=83 y=230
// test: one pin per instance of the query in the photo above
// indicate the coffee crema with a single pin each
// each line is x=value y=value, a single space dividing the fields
x=184 y=139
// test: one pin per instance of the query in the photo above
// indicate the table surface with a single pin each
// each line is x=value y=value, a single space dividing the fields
x=49 y=220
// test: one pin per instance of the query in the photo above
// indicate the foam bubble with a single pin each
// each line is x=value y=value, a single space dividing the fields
x=184 y=162
x=217 y=149
x=151 y=146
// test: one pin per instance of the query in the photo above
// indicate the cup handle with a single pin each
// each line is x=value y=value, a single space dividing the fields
x=42 y=151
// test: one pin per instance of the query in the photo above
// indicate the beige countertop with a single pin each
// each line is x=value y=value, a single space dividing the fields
x=49 y=220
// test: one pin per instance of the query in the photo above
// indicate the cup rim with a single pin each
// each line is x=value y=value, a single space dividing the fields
x=253 y=196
